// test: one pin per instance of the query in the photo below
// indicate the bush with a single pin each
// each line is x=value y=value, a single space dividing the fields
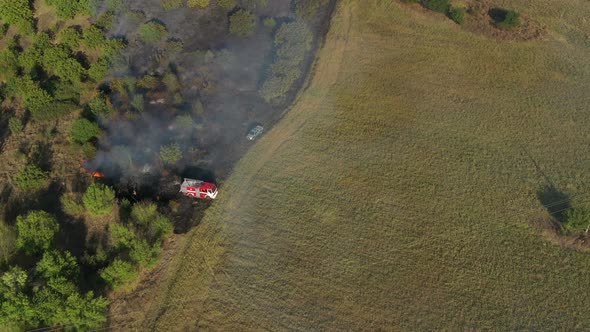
x=18 y=13
x=84 y=130
x=67 y=9
x=148 y=82
x=255 y=4
x=441 y=6
x=184 y=122
x=457 y=15
x=155 y=226
x=17 y=310
x=144 y=255
x=138 y=103
x=70 y=38
x=227 y=4
x=56 y=60
x=152 y=32
x=58 y=264
x=171 y=82
x=170 y=153
x=35 y=231
x=270 y=23
x=71 y=206
x=99 y=70
x=94 y=38
x=198 y=3
x=242 y=23
x=100 y=106
x=508 y=19
x=120 y=274
x=35 y=99
x=576 y=220
x=31 y=178
x=171 y=4
x=308 y=9
x=99 y=199
x=15 y=125
x=121 y=236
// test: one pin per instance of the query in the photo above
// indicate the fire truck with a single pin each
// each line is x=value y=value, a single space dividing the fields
x=198 y=189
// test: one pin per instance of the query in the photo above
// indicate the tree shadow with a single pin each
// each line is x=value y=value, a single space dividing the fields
x=555 y=201
x=497 y=14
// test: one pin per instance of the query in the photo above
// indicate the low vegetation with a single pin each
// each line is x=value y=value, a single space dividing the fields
x=152 y=32
x=242 y=23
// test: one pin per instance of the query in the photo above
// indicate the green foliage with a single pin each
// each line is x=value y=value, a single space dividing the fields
x=441 y=6
x=269 y=23
x=15 y=125
x=116 y=5
x=18 y=13
x=30 y=178
x=511 y=19
x=457 y=15
x=308 y=9
x=7 y=242
x=35 y=99
x=170 y=153
x=9 y=63
x=35 y=231
x=576 y=220
x=254 y=4
x=58 y=264
x=171 y=4
x=98 y=71
x=89 y=150
x=57 y=60
x=152 y=32
x=120 y=274
x=171 y=82
x=292 y=42
x=84 y=130
x=174 y=46
x=94 y=38
x=227 y=4
x=17 y=310
x=121 y=236
x=184 y=122
x=67 y=9
x=100 y=106
x=98 y=199
x=147 y=82
x=138 y=102
x=70 y=205
x=144 y=255
x=198 y=3
x=242 y=23
x=106 y=20
x=70 y=38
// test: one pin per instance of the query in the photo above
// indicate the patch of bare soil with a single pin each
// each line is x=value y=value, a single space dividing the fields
x=479 y=19
x=552 y=231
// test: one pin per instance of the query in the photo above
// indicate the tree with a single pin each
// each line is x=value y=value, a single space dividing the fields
x=441 y=6
x=153 y=225
x=84 y=130
x=18 y=13
x=457 y=15
x=99 y=199
x=35 y=231
x=510 y=19
x=57 y=264
x=576 y=220
x=198 y=3
x=242 y=23
x=120 y=274
x=227 y=4
x=7 y=242
x=152 y=32
x=94 y=37
x=30 y=178
x=170 y=153
x=67 y=9
x=15 y=125
x=171 y=4
x=16 y=308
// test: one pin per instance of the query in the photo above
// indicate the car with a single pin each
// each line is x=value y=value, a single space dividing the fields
x=255 y=132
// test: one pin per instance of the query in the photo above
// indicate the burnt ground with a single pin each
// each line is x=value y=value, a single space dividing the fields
x=215 y=69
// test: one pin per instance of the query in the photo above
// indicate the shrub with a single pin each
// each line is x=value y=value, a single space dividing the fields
x=57 y=60
x=138 y=102
x=457 y=15
x=170 y=153
x=152 y=32
x=145 y=255
x=18 y=13
x=35 y=99
x=198 y=3
x=121 y=236
x=89 y=150
x=242 y=23
x=84 y=130
x=227 y=4
x=255 y=4
x=70 y=38
x=99 y=199
x=67 y=9
x=147 y=82
x=70 y=205
x=15 y=125
x=308 y=9
x=94 y=37
x=510 y=19
x=17 y=310
x=35 y=231
x=171 y=4
x=56 y=264
x=100 y=106
x=171 y=82
x=106 y=20
x=270 y=23
x=184 y=122
x=7 y=242
x=30 y=178
x=441 y=6
x=120 y=274
x=577 y=219
x=174 y=46
x=98 y=71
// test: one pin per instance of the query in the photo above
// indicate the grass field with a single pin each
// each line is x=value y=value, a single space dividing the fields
x=399 y=191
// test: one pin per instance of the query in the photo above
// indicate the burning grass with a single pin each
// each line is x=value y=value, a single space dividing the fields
x=397 y=193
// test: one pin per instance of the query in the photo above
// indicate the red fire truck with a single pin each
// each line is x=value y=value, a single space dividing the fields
x=198 y=189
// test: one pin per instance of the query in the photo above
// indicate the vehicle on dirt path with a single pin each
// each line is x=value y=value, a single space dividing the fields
x=255 y=132
x=198 y=189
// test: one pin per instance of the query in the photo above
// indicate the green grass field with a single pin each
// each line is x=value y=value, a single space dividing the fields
x=399 y=191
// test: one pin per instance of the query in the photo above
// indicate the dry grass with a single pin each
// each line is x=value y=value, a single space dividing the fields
x=399 y=192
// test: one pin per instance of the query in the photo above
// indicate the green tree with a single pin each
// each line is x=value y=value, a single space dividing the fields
x=70 y=38
x=171 y=153
x=35 y=99
x=576 y=220
x=84 y=130
x=35 y=231
x=7 y=242
x=120 y=274
x=457 y=15
x=31 y=178
x=511 y=19
x=198 y=3
x=56 y=60
x=441 y=6
x=94 y=38
x=255 y=4
x=70 y=205
x=67 y=9
x=152 y=32
x=99 y=199
x=121 y=236
x=171 y=4
x=153 y=225
x=100 y=106
x=15 y=125
x=17 y=311
x=242 y=23
x=58 y=264
x=18 y=13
